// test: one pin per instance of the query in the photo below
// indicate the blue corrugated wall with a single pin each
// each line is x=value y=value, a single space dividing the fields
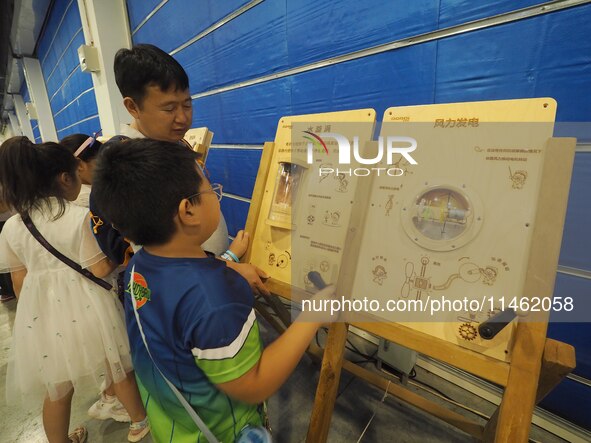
x=546 y=55
x=70 y=91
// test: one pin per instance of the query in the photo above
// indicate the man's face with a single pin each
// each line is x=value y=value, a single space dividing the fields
x=164 y=115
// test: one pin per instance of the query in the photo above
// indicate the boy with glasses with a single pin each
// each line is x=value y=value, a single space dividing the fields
x=195 y=314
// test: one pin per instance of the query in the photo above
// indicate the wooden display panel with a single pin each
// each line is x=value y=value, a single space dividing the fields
x=299 y=209
x=457 y=227
x=521 y=354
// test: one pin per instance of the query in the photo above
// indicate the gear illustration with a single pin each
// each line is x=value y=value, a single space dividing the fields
x=467 y=331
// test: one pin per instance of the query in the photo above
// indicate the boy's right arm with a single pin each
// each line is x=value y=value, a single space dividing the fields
x=277 y=362
x=279 y=359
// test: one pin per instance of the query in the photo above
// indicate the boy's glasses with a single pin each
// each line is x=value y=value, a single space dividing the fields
x=87 y=143
x=216 y=188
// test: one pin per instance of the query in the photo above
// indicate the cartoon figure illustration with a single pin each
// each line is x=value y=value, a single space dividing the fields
x=343 y=182
x=389 y=204
x=331 y=218
x=518 y=178
x=323 y=174
x=379 y=274
x=324 y=266
x=271 y=259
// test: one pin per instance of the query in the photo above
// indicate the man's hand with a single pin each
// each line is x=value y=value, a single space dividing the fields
x=253 y=276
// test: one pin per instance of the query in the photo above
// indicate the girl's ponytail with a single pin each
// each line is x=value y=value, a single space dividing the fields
x=29 y=172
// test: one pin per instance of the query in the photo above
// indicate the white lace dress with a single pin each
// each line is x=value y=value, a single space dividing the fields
x=67 y=328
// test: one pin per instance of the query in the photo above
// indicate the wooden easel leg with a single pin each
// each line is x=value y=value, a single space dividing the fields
x=328 y=384
x=557 y=362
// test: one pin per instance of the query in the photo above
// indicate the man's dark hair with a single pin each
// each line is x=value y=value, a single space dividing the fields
x=146 y=65
x=139 y=183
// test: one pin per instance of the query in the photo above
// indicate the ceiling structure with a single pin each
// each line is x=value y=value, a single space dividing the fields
x=21 y=24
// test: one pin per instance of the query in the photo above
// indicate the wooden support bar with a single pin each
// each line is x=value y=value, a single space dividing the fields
x=515 y=412
x=404 y=394
x=259 y=189
x=558 y=361
x=328 y=384
x=462 y=358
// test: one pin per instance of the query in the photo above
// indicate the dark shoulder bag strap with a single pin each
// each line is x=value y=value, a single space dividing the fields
x=72 y=264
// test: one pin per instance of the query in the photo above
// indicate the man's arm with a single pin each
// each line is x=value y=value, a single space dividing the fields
x=110 y=240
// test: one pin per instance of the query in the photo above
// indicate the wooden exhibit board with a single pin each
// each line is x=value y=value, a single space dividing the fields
x=532 y=266
x=199 y=139
x=296 y=201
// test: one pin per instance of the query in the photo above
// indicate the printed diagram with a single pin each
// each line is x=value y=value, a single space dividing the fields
x=468 y=272
x=441 y=214
x=311 y=218
x=468 y=331
x=281 y=260
x=402 y=164
x=326 y=170
x=471 y=273
x=416 y=282
x=389 y=205
x=331 y=219
x=518 y=178
x=324 y=174
x=323 y=268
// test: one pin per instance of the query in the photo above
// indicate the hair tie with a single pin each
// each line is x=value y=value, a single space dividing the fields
x=87 y=143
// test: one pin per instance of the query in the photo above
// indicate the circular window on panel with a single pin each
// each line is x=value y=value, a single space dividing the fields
x=441 y=218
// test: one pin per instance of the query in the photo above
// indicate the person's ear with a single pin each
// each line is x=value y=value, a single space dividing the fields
x=64 y=179
x=189 y=214
x=132 y=107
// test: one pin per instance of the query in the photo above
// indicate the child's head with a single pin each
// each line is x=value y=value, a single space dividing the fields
x=87 y=157
x=143 y=187
x=30 y=174
x=155 y=90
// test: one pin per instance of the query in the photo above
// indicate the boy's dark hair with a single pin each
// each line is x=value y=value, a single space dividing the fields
x=139 y=183
x=28 y=173
x=74 y=141
x=145 y=65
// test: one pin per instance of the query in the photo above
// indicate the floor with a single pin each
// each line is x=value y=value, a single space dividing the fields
x=357 y=405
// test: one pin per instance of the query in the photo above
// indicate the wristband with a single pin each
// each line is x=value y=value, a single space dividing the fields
x=231 y=255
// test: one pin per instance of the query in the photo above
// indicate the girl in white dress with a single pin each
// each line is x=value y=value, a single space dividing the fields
x=67 y=328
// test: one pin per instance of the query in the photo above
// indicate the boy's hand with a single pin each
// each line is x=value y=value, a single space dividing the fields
x=252 y=275
x=322 y=307
x=240 y=243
